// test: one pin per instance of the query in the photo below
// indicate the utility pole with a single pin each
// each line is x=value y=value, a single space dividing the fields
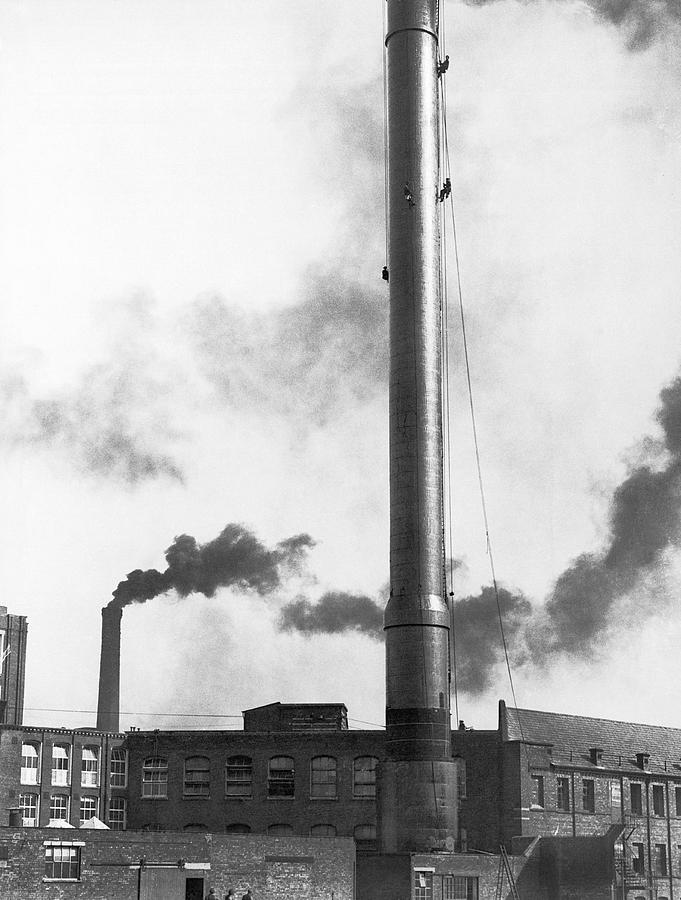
x=417 y=785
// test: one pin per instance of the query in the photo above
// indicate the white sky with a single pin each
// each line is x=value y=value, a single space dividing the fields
x=157 y=154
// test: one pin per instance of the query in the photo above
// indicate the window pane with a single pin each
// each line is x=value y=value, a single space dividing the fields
x=323 y=778
x=323 y=831
x=88 y=808
x=29 y=763
x=364 y=776
x=119 y=768
x=281 y=781
x=62 y=862
x=28 y=804
x=423 y=886
x=155 y=777
x=59 y=807
x=60 y=764
x=239 y=776
x=280 y=828
x=90 y=767
x=117 y=813
x=197 y=776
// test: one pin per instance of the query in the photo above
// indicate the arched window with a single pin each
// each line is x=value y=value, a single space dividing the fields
x=365 y=837
x=155 y=777
x=237 y=828
x=197 y=776
x=364 y=777
x=89 y=769
x=30 y=763
x=323 y=831
x=60 y=763
x=195 y=826
x=239 y=776
x=280 y=828
x=59 y=807
x=323 y=778
x=281 y=777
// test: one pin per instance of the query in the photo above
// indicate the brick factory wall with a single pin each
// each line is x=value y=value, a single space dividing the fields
x=274 y=868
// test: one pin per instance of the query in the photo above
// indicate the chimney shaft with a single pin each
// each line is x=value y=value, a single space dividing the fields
x=108 y=703
x=417 y=801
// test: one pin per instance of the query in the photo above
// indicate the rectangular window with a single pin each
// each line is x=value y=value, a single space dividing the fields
x=636 y=795
x=117 y=813
x=563 y=794
x=323 y=778
x=423 y=885
x=30 y=763
x=155 y=778
x=239 y=776
x=28 y=804
x=638 y=859
x=658 y=800
x=677 y=797
x=537 y=801
x=459 y=887
x=197 y=776
x=118 y=776
x=88 y=808
x=588 y=795
x=59 y=807
x=60 y=764
x=660 y=859
x=281 y=777
x=89 y=771
x=364 y=777
x=62 y=862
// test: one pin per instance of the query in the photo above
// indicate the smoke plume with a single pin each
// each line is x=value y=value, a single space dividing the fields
x=303 y=361
x=235 y=558
x=644 y=21
x=335 y=612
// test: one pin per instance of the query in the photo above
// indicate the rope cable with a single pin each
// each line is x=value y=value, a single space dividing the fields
x=471 y=403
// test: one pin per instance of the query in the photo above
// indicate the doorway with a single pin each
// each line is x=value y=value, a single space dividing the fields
x=194 y=889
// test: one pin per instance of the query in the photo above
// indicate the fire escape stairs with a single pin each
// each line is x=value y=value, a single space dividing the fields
x=504 y=874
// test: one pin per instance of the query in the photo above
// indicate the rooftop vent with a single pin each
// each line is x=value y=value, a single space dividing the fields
x=642 y=760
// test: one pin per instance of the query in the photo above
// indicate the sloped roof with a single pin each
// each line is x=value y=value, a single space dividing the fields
x=94 y=822
x=571 y=738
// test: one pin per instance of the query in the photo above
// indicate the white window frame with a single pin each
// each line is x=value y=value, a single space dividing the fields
x=29 y=821
x=118 y=814
x=65 y=806
x=30 y=774
x=61 y=765
x=155 y=778
x=93 y=802
x=118 y=770
x=89 y=767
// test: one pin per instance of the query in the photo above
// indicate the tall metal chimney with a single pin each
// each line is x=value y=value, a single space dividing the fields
x=417 y=786
x=108 y=703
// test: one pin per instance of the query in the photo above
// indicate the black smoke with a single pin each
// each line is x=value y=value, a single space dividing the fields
x=336 y=612
x=645 y=522
x=235 y=558
x=644 y=21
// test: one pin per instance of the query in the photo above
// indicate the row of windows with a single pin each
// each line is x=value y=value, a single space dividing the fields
x=454 y=887
x=61 y=765
x=60 y=809
x=588 y=796
x=280 y=777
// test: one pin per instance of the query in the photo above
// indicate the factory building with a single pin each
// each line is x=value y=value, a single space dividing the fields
x=583 y=807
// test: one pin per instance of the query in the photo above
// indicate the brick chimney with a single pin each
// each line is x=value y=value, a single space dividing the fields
x=108 y=702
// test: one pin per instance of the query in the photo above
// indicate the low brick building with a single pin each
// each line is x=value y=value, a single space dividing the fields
x=101 y=865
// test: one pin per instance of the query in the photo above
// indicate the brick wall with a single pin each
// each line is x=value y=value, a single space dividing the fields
x=274 y=868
